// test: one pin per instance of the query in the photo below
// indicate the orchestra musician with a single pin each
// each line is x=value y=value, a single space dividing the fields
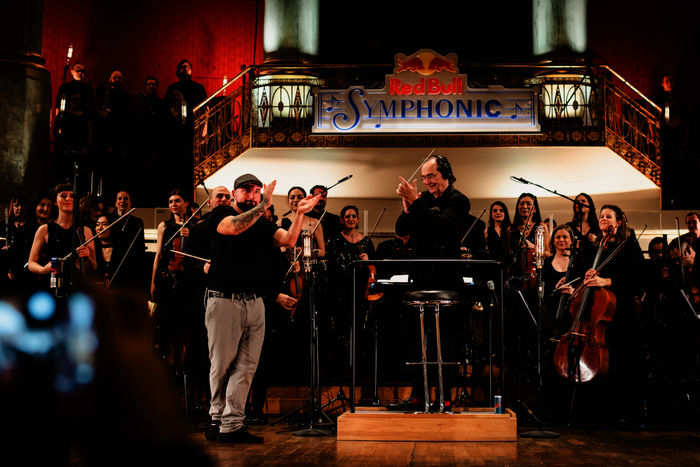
x=557 y=270
x=620 y=396
x=343 y=249
x=104 y=249
x=55 y=240
x=16 y=242
x=168 y=289
x=522 y=241
x=330 y=222
x=497 y=233
x=294 y=196
x=349 y=244
x=554 y=272
x=584 y=223
x=436 y=219
x=130 y=248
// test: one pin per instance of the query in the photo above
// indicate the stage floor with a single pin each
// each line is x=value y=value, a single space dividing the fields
x=574 y=447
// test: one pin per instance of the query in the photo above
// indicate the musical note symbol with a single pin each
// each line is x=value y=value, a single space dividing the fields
x=379 y=125
x=518 y=110
x=332 y=107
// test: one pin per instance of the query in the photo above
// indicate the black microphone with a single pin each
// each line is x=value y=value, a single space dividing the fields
x=519 y=180
x=201 y=182
x=340 y=181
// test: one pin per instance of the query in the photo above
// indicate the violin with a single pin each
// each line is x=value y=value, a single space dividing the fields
x=169 y=273
x=370 y=294
x=294 y=281
x=582 y=353
x=688 y=284
x=526 y=256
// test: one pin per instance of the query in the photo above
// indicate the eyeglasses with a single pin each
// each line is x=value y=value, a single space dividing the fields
x=428 y=177
x=223 y=195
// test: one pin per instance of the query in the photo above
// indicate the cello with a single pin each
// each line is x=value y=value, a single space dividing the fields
x=582 y=353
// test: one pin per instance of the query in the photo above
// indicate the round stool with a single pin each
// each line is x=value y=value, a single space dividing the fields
x=431 y=298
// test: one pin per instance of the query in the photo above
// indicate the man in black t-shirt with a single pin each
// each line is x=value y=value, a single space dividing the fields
x=235 y=316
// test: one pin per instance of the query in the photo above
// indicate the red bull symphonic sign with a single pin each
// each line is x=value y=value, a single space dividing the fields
x=425 y=94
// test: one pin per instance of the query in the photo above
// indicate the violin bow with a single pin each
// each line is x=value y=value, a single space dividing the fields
x=523 y=234
x=184 y=224
x=581 y=286
x=344 y=179
x=65 y=258
x=377 y=223
x=124 y=257
x=617 y=250
x=680 y=249
x=191 y=256
x=472 y=226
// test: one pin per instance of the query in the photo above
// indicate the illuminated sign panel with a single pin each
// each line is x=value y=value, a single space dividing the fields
x=425 y=94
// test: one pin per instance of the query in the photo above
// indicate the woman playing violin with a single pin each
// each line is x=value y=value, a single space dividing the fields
x=522 y=238
x=527 y=217
x=167 y=285
x=54 y=239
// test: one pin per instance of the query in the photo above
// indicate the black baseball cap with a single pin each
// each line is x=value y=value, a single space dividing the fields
x=246 y=179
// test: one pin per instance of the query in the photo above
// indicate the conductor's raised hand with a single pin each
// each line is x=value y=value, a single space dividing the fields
x=408 y=191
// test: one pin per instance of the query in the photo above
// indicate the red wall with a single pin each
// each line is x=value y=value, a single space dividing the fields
x=150 y=37
x=640 y=39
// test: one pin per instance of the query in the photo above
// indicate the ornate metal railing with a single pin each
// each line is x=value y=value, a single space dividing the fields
x=222 y=126
x=579 y=105
x=633 y=130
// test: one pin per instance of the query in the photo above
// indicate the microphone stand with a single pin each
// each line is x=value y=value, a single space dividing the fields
x=539 y=433
x=316 y=415
x=554 y=192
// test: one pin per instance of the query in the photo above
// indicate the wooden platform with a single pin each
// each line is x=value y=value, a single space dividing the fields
x=473 y=424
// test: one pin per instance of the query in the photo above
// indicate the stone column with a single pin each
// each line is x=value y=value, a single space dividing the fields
x=291 y=30
x=559 y=27
x=25 y=100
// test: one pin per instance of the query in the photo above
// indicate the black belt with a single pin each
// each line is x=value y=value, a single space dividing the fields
x=232 y=296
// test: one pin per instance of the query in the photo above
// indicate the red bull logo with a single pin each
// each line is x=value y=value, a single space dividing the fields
x=426 y=62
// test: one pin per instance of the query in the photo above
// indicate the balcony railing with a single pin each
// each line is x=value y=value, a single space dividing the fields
x=579 y=106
